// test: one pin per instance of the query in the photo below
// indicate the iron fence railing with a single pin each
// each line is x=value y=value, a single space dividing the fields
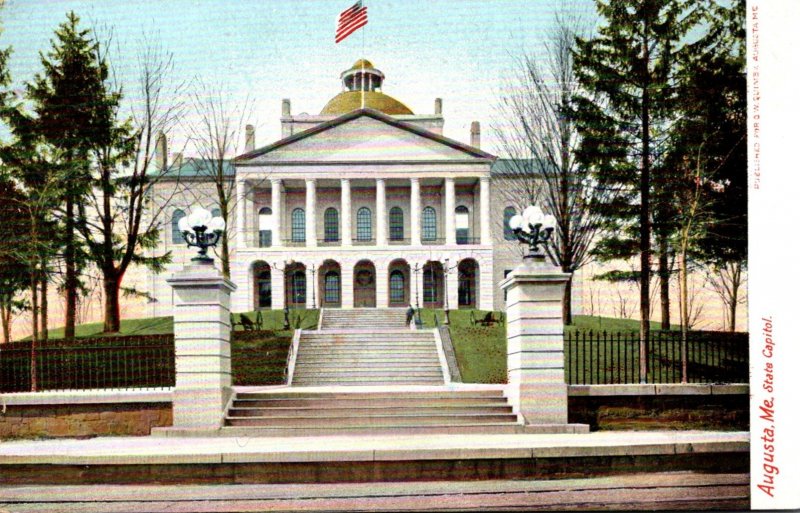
x=93 y=363
x=613 y=357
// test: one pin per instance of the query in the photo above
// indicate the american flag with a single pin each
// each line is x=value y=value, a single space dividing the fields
x=351 y=20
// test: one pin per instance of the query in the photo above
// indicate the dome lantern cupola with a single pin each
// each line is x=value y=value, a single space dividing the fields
x=362 y=72
x=363 y=79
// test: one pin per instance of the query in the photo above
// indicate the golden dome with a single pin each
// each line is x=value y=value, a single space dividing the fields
x=361 y=64
x=348 y=101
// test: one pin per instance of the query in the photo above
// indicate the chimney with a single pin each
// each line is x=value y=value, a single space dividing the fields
x=437 y=106
x=475 y=135
x=161 y=151
x=286 y=110
x=249 y=138
x=177 y=162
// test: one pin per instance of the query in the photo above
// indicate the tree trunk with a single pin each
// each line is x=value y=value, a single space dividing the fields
x=226 y=264
x=5 y=313
x=567 y=303
x=34 y=305
x=644 y=218
x=663 y=276
x=43 y=300
x=111 y=286
x=736 y=281
x=684 y=303
x=70 y=278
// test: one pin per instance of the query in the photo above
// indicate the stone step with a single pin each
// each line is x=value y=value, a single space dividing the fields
x=373 y=420
x=367 y=351
x=482 y=428
x=396 y=364
x=357 y=410
x=344 y=381
x=351 y=374
x=365 y=395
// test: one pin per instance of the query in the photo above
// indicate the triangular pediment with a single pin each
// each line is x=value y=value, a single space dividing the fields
x=364 y=136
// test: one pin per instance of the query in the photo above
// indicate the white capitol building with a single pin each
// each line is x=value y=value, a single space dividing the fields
x=369 y=202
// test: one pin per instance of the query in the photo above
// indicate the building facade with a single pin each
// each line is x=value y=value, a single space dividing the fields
x=364 y=205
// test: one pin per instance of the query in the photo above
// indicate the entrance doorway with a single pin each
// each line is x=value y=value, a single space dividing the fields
x=364 y=284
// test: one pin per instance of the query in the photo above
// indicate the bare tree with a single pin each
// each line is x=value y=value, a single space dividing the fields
x=727 y=280
x=119 y=223
x=214 y=128
x=540 y=141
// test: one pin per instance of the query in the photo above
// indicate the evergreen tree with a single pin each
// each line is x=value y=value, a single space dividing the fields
x=630 y=76
x=68 y=99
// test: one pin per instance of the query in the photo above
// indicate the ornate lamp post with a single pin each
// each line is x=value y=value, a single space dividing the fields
x=313 y=287
x=417 y=270
x=533 y=228
x=201 y=230
x=446 y=270
x=282 y=270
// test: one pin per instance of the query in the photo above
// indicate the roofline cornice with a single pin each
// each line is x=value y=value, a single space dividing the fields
x=374 y=114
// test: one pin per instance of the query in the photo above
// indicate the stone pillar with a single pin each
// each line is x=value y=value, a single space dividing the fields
x=347 y=237
x=449 y=211
x=486 y=237
x=452 y=287
x=202 y=346
x=347 y=285
x=381 y=285
x=277 y=232
x=241 y=228
x=415 y=213
x=278 y=287
x=311 y=213
x=380 y=211
x=535 y=331
x=311 y=291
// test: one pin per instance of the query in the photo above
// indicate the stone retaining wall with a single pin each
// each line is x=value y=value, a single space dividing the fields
x=83 y=420
x=647 y=407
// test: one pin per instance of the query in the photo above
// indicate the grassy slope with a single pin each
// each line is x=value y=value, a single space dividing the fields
x=481 y=350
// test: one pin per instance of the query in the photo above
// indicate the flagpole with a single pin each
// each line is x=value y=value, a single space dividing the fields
x=363 y=44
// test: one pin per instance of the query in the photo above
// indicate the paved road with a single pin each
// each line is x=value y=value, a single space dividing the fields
x=669 y=491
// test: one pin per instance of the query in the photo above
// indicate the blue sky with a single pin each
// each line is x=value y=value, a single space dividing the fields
x=269 y=50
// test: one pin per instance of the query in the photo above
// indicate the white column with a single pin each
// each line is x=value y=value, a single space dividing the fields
x=415 y=214
x=450 y=211
x=202 y=347
x=452 y=287
x=347 y=284
x=486 y=237
x=535 y=331
x=347 y=237
x=277 y=232
x=278 y=287
x=380 y=211
x=311 y=213
x=381 y=284
x=240 y=213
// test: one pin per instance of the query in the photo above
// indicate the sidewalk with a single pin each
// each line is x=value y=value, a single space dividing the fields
x=161 y=451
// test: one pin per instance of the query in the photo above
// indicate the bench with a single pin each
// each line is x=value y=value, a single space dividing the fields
x=490 y=319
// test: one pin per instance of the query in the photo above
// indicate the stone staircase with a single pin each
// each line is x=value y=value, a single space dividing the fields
x=374 y=357
x=364 y=318
x=370 y=411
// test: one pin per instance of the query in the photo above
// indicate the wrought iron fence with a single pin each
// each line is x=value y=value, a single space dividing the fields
x=122 y=362
x=608 y=358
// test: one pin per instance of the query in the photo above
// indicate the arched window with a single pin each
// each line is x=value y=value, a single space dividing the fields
x=331 y=225
x=298 y=225
x=508 y=233
x=364 y=224
x=299 y=287
x=265 y=227
x=462 y=225
x=429 y=292
x=264 y=288
x=428 y=224
x=396 y=223
x=397 y=287
x=332 y=287
x=177 y=238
